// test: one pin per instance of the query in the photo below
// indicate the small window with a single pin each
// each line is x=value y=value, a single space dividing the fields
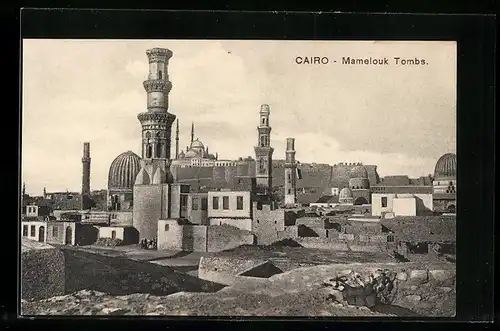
x=194 y=203
x=160 y=75
x=113 y=234
x=167 y=227
x=257 y=221
x=390 y=239
x=54 y=232
x=225 y=203
x=384 y=202
x=25 y=230
x=204 y=203
x=239 y=203
x=33 y=231
x=215 y=203
x=259 y=207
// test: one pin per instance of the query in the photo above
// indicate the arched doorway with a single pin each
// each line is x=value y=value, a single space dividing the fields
x=69 y=236
x=451 y=209
x=361 y=201
x=41 y=234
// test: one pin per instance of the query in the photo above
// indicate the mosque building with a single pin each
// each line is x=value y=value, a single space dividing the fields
x=196 y=154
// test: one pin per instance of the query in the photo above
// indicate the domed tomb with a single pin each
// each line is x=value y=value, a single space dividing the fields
x=446 y=167
x=122 y=174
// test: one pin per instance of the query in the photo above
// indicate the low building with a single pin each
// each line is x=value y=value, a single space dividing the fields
x=268 y=223
x=34 y=210
x=71 y=233
x=95 y=217
x=402 y=204
x=327 y=201
x=127 y=234
x=34 y=228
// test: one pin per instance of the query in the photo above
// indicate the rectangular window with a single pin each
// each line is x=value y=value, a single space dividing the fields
x=33 y=231
x=239 y=203
x=215 y=203
x=167 y=227
x=384 y=202
x=225 y=203
x=194 y=203
x=390 y=239
x=54 y=232
x=25 y=230
x=204 y=203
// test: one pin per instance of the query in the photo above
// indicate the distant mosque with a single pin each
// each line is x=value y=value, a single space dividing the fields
x=196 y=154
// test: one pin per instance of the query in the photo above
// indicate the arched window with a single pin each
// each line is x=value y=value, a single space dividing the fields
x=159 y=148
x=149 y=149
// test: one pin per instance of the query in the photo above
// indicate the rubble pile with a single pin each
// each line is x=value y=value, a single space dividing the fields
x=351 y=288
x=108 y=242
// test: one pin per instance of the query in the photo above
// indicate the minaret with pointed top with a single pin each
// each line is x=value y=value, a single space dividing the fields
x=177 y=141
x=264 y=151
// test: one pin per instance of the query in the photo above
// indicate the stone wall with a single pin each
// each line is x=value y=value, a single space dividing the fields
x=42 y=271
x=148 y=208
x=224 y=237
x=323 y=243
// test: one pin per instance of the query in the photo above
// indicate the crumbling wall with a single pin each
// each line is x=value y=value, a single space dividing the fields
x=224 y=237
x=42 y=271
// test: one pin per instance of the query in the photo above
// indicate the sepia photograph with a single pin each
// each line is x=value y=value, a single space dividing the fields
x=170 y=177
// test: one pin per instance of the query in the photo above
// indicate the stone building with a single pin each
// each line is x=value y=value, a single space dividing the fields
x=230 y=208
x=445 y=183
x=345 y=196
x=359 y=185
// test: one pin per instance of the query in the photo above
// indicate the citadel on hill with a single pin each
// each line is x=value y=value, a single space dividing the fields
x=187 y=200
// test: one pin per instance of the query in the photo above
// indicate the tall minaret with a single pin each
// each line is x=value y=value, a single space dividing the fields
x=156 y=121
x=86 y=169
x=290 y=172
x=192 y=132
x=177 y=141
x=263 y=151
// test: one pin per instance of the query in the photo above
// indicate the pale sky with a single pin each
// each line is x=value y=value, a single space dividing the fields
x=400 y=118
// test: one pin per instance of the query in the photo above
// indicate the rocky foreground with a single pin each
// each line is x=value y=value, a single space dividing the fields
x=223 y=303
x=300 y=292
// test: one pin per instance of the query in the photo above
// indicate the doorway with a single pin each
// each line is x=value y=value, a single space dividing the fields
x=41 y=234
x=69 y=236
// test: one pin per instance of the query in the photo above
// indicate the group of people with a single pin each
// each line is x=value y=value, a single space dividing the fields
x=148 y=243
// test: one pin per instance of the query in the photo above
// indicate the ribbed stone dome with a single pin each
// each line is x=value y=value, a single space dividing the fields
x=124 y=170
x=446 y=167
x=358 y=172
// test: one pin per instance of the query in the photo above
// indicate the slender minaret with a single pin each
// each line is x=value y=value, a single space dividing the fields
x=290 y=172
x=177 y=141
x=264 y=151
x=156 y=122
x=192 y=132
x=86 y=169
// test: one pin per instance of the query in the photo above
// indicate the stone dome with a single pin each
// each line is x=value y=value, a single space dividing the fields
x=446 y=167
x=190 y=154
x=124 y=170
x=197 y=144
x=345 y=193
x=358 y=172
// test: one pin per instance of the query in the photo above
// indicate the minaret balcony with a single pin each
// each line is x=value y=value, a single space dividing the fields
x=157 y=117
x=157 y=85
